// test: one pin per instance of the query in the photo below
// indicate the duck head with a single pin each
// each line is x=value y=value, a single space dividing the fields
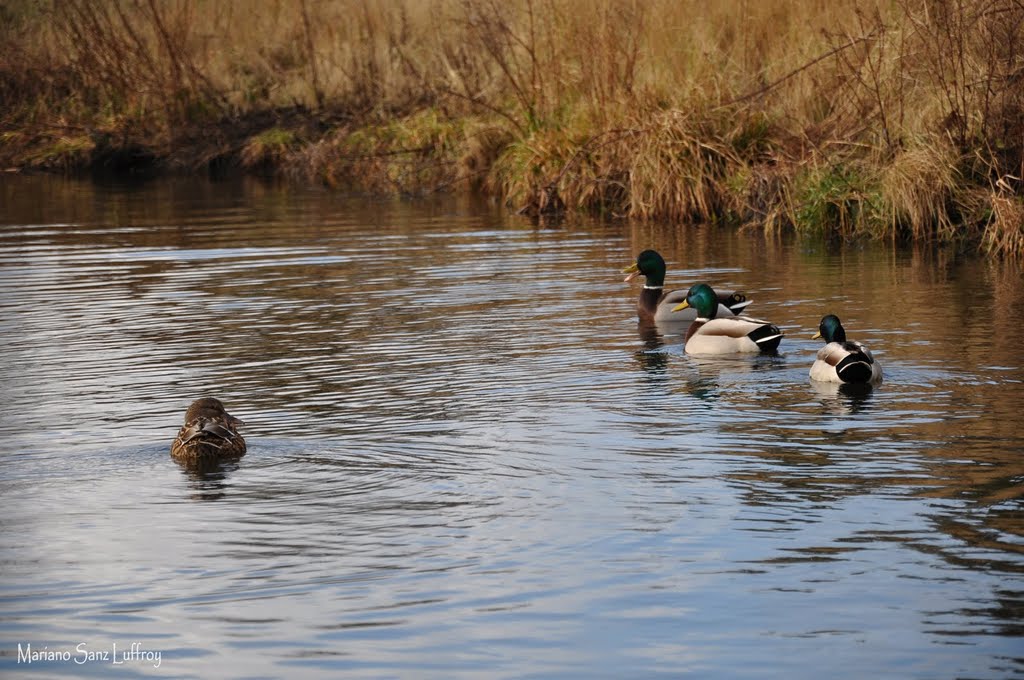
x=210 y=408
x=702 y=298
x=650 y=264
x=830 y=329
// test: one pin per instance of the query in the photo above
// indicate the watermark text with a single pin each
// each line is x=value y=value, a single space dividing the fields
x=84 y=653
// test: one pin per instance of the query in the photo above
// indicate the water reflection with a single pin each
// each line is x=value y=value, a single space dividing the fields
x=842 y=398
x=208 y=480
x=465 y=457
x=653 y=355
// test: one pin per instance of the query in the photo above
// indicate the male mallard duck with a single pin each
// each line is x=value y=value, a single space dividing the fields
x=842 y=360
x=210 y=433
x=708 y=335
x=655 y=303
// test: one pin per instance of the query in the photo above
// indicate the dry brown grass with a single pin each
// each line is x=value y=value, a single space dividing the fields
x=896 y=119
x=918 y=187
x=1004 y=230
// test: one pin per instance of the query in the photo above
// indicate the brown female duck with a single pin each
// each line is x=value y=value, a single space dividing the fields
x=209 y=434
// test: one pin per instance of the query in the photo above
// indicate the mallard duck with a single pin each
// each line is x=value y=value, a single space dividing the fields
x=709 y=335
x=842 y=360
x=655 y=303
x=209 y=434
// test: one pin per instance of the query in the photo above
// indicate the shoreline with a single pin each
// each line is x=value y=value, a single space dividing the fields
x=440 y=156
x=869 y=126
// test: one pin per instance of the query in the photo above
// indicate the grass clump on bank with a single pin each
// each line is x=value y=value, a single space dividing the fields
x=892 y=120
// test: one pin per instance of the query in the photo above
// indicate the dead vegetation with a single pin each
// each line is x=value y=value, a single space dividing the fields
x=892 y=120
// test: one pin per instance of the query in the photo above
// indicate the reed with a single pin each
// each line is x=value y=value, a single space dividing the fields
x=901 y=120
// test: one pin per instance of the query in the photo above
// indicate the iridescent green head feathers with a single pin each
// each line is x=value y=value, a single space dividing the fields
x=702 y=298
x=830 y=329
x=649 y=264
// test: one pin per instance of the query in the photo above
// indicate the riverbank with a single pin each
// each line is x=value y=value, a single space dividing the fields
x=903 y=121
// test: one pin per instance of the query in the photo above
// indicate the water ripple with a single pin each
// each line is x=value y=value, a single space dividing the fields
x=465 y=457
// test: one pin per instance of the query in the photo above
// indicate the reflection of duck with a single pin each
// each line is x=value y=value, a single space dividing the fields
x=210 y=434
x=651 y=336
x=652 y=357
x=842 y=360
x=655 y=303
x=843 y=398
x=207 y=481
x=710 y=335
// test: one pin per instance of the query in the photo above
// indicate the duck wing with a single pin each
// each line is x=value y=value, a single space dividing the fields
x=208 y=429
x=669 y=300
x=765 y=336
x=673 y=297
x=852 y=361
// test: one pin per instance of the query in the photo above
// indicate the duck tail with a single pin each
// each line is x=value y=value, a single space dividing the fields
x=855 y=368
x=767 y=337
x=735 y=303
x=738 y=307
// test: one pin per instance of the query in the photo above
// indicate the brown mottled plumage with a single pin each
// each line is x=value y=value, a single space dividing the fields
x=209 y=434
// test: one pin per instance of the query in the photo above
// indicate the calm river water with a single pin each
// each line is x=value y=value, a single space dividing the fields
x=466 y=460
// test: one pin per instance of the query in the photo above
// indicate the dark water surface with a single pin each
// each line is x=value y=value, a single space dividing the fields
x=465 y=460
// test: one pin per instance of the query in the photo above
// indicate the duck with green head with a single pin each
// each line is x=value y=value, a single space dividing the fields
x=655 y=303
x=842 y=360
x=710 y=335
x=210 y=434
